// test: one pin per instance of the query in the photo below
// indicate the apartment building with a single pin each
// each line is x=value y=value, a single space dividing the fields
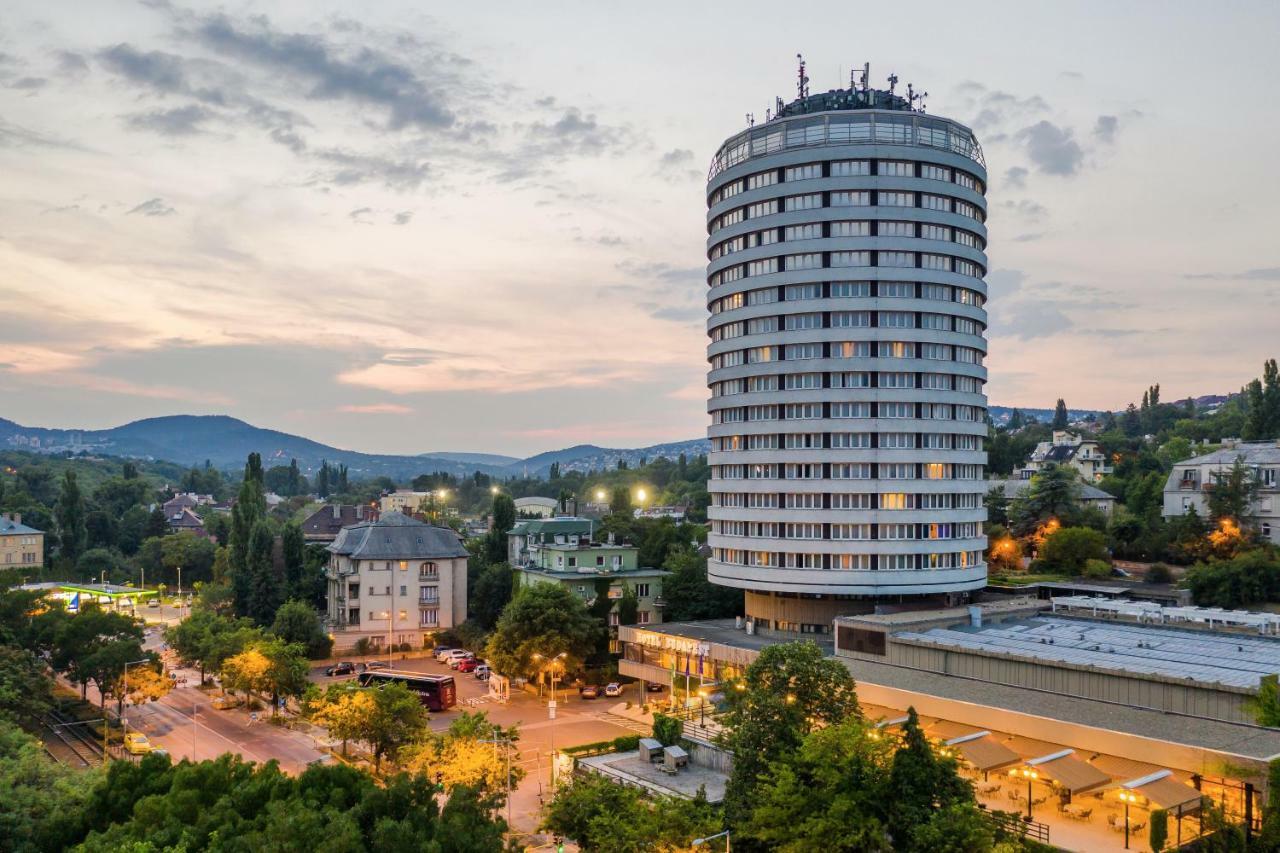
x=1070 y=450
x=20 y=545
x=1191 y=481
x=395 y=579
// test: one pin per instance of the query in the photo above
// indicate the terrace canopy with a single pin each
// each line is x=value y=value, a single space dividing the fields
x=984 y=752
x=1165 y=792
x=1069 y=772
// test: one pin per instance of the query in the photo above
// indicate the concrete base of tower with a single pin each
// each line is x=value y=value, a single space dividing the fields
x=783 y=614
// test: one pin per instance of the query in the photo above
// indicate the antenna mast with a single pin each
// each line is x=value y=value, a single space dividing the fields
x=893 y=81
x=802 y=86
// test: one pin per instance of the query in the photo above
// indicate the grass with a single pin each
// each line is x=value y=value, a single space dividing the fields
x=1023 y=580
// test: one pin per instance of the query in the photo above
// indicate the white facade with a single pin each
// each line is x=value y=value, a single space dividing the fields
x=1083 y=455
x=847 y=336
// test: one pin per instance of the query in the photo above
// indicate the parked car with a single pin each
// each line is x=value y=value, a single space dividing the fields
x=457 y=655
x=345 y=667
x=482 y=671
x=136 y=743
x=654 y=687
x=443 y=654
x=613 y=688
x=438 y=649
x=227 y=702
x=377 y=664
x=589 y=691
x=467 y=665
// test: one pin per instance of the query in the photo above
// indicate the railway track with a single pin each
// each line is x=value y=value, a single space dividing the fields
x=68 y=743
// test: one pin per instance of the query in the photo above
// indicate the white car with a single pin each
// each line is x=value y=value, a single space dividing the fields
x=613 y=688
x=456 y=656
x=443 y=654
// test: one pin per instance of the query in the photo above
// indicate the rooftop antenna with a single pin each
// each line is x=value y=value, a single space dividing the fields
x=893 y=81
x=913 y=96
x=802 y=86
x=751 y=120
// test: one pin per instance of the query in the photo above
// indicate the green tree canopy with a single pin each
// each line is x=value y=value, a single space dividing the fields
x=544 y=619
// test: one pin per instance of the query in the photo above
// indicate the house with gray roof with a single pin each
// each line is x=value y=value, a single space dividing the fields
x=395 y=579
x=1079 y=453
x=20 y=544
x=1191 y=481
x=1090 y=496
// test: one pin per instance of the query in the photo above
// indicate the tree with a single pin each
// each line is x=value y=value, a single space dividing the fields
x=1249 y=578
x=920 y=782
x=132 y=529
x=94 y=646
x=689 y=594
x=44 y=801
x=71 y=518
x=293 y=548
x=503 y=513
x=343 y=708
x=473 y=753
x=787 y=691
x=620 y=500
x=492 y=593
x=1232 y=494
x=544 y=619
x=601 y=815
x=157 y=525
x=397 y=720
x=249 y=510
x=264 y=586
x=297 y=622
x=118 y=494
x=1054 y=493
x=628 y=605
x=1060 y=418
x=1067 y=549
x=997 y=506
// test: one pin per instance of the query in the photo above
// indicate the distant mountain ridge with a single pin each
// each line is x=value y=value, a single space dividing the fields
x=225 y=441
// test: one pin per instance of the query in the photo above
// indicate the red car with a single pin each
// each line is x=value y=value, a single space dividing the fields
x=468 y=665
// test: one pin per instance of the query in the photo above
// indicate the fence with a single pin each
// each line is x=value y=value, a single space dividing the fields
x=1012 y=824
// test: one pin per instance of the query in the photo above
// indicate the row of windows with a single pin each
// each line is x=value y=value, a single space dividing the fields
x=856 y=379
x=848 y=290
x=842 y=260
x=850 y=168
x=847 y=531
x=847 y=471
x=857 y=562
x=847 y=198
x=847 y=320
x=846 y=441
x=846 y=500
x=847 y=349
x=849 y=409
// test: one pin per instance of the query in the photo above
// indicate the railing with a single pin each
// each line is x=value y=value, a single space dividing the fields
x=428 y=602
x=1014 y=824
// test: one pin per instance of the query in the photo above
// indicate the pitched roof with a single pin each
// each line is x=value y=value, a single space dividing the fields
x=1013 y=488
x=559 y=524
x=395 y=536
x=9 y=527
x=331 y=518
x=1248 y=452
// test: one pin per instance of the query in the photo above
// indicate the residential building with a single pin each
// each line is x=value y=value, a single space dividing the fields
x=1069 y=449
x=186 y=521
x=402 y=501
x=185 y=500
x=586 y=568
x=1191 y=480
x=846 y=346
x=1090 y=496
x=539 y=506
x=395 y=577
x=324 y=524
x=528 y=536
x=20 y=545
x=677 y=513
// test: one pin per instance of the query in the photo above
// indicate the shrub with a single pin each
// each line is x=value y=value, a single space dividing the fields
x=1069 y=548
x=667 y=730
x=1096 y=569
x=1159 y=573
x=363 y=646
x=1159 y=832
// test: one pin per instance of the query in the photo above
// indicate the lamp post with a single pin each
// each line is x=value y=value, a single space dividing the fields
x=698 y=842
x=1126 y=797
x=179 y=586
x=124 y=705
x=702 y=694
x=1030 y=776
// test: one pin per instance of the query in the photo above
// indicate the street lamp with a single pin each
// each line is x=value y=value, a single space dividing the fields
x=124 y=714
x=552 y=663
x=600 y=495
x=494 y=490
x=1127 y=797
x=698 y=842
x=1031 y=776
x=641 y=494
x=702 y=694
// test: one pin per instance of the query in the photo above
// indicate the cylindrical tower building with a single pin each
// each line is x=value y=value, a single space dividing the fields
x=847 y=336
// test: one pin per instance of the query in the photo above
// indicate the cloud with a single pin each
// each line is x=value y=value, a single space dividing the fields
x=1029 y=237
x=1260 y=274
x=675 y=166
x=361 y=215
x=1104 y=130
x=349 y=168
x=576 y=132
x=153 y=207
x=403 y=217
x=1025 y=209
x=366 y=77
x=1016 y=177
x=28 y=84
x=1051 y=148
x=179 y=121
x=162 y=72
x=377 y=409
x=72 y=64
x=664 y=272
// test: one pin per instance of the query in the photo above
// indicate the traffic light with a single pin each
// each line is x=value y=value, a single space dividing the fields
x=559 y=844
x=439 y=781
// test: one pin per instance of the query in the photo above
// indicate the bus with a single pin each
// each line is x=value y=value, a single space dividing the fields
x=437 y=692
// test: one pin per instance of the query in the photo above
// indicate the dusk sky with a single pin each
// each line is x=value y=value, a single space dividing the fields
x=484 y=230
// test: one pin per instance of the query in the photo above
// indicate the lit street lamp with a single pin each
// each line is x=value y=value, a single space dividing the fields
x=124 y=704
x=1127 y=797
x=1031 y=776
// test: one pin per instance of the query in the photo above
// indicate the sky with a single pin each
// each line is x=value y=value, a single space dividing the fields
x=404 y=227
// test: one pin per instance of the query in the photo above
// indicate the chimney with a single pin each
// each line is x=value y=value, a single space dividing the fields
x=15 y=517
x=337 y=512
x=359 y=512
